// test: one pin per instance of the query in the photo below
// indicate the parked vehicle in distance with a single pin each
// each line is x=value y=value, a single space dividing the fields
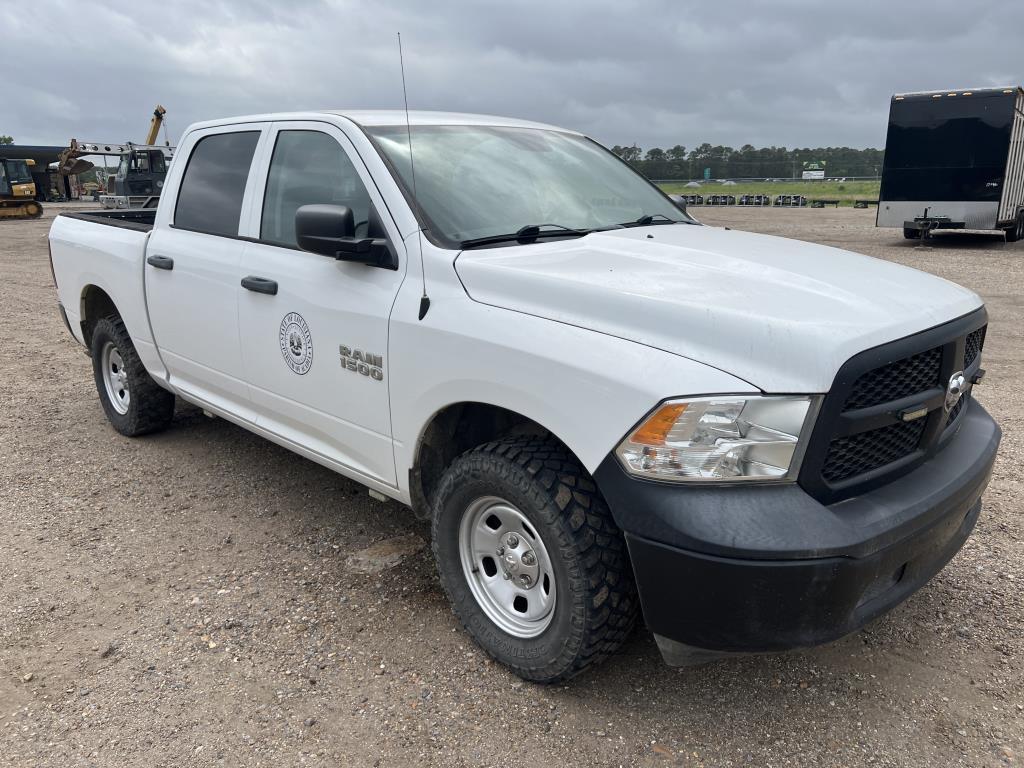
x=954 y=160
x=602 y=406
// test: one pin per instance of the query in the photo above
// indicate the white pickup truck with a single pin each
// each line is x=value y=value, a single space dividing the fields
x=603 y=406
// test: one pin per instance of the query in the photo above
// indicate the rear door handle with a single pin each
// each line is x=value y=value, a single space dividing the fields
x=259 y=285
x=160 y=262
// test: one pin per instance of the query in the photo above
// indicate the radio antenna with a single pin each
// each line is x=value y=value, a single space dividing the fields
x=424 y=299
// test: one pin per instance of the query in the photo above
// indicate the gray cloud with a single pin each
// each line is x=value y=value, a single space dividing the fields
x=790 y=72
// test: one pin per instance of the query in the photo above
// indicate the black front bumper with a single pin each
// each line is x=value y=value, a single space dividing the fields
x=767 y=568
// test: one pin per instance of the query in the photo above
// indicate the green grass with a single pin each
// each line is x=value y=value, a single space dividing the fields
x=845 y=191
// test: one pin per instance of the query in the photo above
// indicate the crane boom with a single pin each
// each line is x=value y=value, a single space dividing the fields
x=154 y=124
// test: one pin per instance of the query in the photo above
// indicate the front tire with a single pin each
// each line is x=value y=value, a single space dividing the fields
x=133 y=402
x=531 y=560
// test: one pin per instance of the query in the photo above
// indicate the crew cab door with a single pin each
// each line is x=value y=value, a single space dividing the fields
x=192 y=262
x=314 y=330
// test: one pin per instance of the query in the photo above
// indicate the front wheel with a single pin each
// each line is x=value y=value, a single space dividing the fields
x=133 y=402
x=529 y=556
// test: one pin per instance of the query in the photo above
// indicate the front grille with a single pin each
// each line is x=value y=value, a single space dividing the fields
x=860 y=440
x=863 y=452
x=972 y=347
x=955 y=410
x=896 y=380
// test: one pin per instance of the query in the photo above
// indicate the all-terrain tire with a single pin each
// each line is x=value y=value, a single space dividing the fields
x=150 y=407
x=911 y=234
x=596 y=603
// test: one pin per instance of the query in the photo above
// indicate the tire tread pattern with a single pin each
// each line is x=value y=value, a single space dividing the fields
x=152 y=407
x=549 y=475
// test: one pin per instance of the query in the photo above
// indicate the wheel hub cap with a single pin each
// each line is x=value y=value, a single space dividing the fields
x=115 y=378
x=507 y=567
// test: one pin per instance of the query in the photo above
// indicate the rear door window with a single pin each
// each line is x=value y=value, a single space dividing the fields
x=210 y=198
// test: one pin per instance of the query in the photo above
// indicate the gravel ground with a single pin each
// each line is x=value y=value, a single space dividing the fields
x=203 y=597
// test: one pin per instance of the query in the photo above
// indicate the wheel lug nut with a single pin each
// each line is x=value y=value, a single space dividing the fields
x=512 y=540
x=529 y=558
x=501 y=551
x=525 y=580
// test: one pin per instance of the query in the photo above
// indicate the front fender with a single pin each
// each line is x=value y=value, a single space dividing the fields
x=585 y=387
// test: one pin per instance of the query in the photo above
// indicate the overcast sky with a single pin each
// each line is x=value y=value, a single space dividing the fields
x=788 y=72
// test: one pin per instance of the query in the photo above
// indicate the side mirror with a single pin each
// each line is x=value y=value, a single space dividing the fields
x=330 y=231
x=679 y=200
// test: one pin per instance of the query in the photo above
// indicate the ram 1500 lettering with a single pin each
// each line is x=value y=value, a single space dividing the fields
x=604 y=407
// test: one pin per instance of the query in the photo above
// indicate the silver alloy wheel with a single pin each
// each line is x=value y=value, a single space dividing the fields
x=507 y=567
x=115 y=377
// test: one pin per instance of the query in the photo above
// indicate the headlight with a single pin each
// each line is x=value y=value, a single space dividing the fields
x=720 y=438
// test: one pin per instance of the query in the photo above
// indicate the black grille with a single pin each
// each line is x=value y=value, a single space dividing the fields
x=896 y=380
x=955 y=410
x=972 y=348
x=860 y=453
x=860 y=440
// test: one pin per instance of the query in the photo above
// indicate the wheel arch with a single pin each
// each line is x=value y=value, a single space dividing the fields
x=456 y=428
x=94 y=303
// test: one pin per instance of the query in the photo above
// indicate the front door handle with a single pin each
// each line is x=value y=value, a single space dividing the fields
x=259 y=285
x=160 y=262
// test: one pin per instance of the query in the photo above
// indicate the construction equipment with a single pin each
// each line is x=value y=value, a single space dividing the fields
x=154 y=124
x=18 y=190
x=141 y=168
x=140 y=172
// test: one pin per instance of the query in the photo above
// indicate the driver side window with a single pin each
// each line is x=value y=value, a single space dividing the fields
x=309 y=167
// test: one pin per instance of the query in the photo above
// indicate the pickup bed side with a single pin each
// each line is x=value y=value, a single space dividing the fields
x=99 y=262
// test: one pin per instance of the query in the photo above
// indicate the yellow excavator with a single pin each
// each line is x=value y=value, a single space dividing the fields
x=18 y=190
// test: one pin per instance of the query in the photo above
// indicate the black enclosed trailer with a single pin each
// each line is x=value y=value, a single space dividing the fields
x=954 y=160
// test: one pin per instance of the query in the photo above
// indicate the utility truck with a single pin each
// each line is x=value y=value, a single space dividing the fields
x=954 y=159
x=606 y=409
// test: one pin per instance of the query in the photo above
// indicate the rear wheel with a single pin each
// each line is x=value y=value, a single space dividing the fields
x=911 y=234
x=133 y=402
x=533 y=564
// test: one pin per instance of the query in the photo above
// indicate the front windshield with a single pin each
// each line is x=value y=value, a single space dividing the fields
x=482 y=181
x=18 y=172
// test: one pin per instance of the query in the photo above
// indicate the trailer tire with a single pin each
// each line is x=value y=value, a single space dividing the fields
x=911 y=234
x=133 y=402
x=1016 y=232
x=547 y=515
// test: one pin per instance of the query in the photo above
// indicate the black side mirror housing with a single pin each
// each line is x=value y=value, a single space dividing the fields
x=679 y=200
x=330 y=231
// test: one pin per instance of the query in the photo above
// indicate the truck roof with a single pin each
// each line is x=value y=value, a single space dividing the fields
x=378 y=117
x=986 y=91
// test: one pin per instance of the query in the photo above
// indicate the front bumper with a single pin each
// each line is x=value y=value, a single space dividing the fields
x=748 y=569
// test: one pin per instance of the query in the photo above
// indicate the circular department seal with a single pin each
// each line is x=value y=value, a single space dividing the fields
x=296 y=343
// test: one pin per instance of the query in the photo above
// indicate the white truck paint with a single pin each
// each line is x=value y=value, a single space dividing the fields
x=580 y=334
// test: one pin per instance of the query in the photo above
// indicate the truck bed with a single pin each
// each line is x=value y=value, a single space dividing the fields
x=128 y=218
x=101 y=255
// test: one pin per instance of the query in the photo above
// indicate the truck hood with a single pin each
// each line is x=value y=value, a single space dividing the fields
x=781 y=314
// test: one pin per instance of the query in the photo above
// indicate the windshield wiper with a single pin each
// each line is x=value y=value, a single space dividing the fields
x=656 y=218
x=528 y=234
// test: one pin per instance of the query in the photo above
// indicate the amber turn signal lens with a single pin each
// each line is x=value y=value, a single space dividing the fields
x=656 y=428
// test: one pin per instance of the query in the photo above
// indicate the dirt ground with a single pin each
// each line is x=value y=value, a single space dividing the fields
x=201 y=597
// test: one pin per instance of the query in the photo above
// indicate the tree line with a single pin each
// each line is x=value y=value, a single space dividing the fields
x=748 y=161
